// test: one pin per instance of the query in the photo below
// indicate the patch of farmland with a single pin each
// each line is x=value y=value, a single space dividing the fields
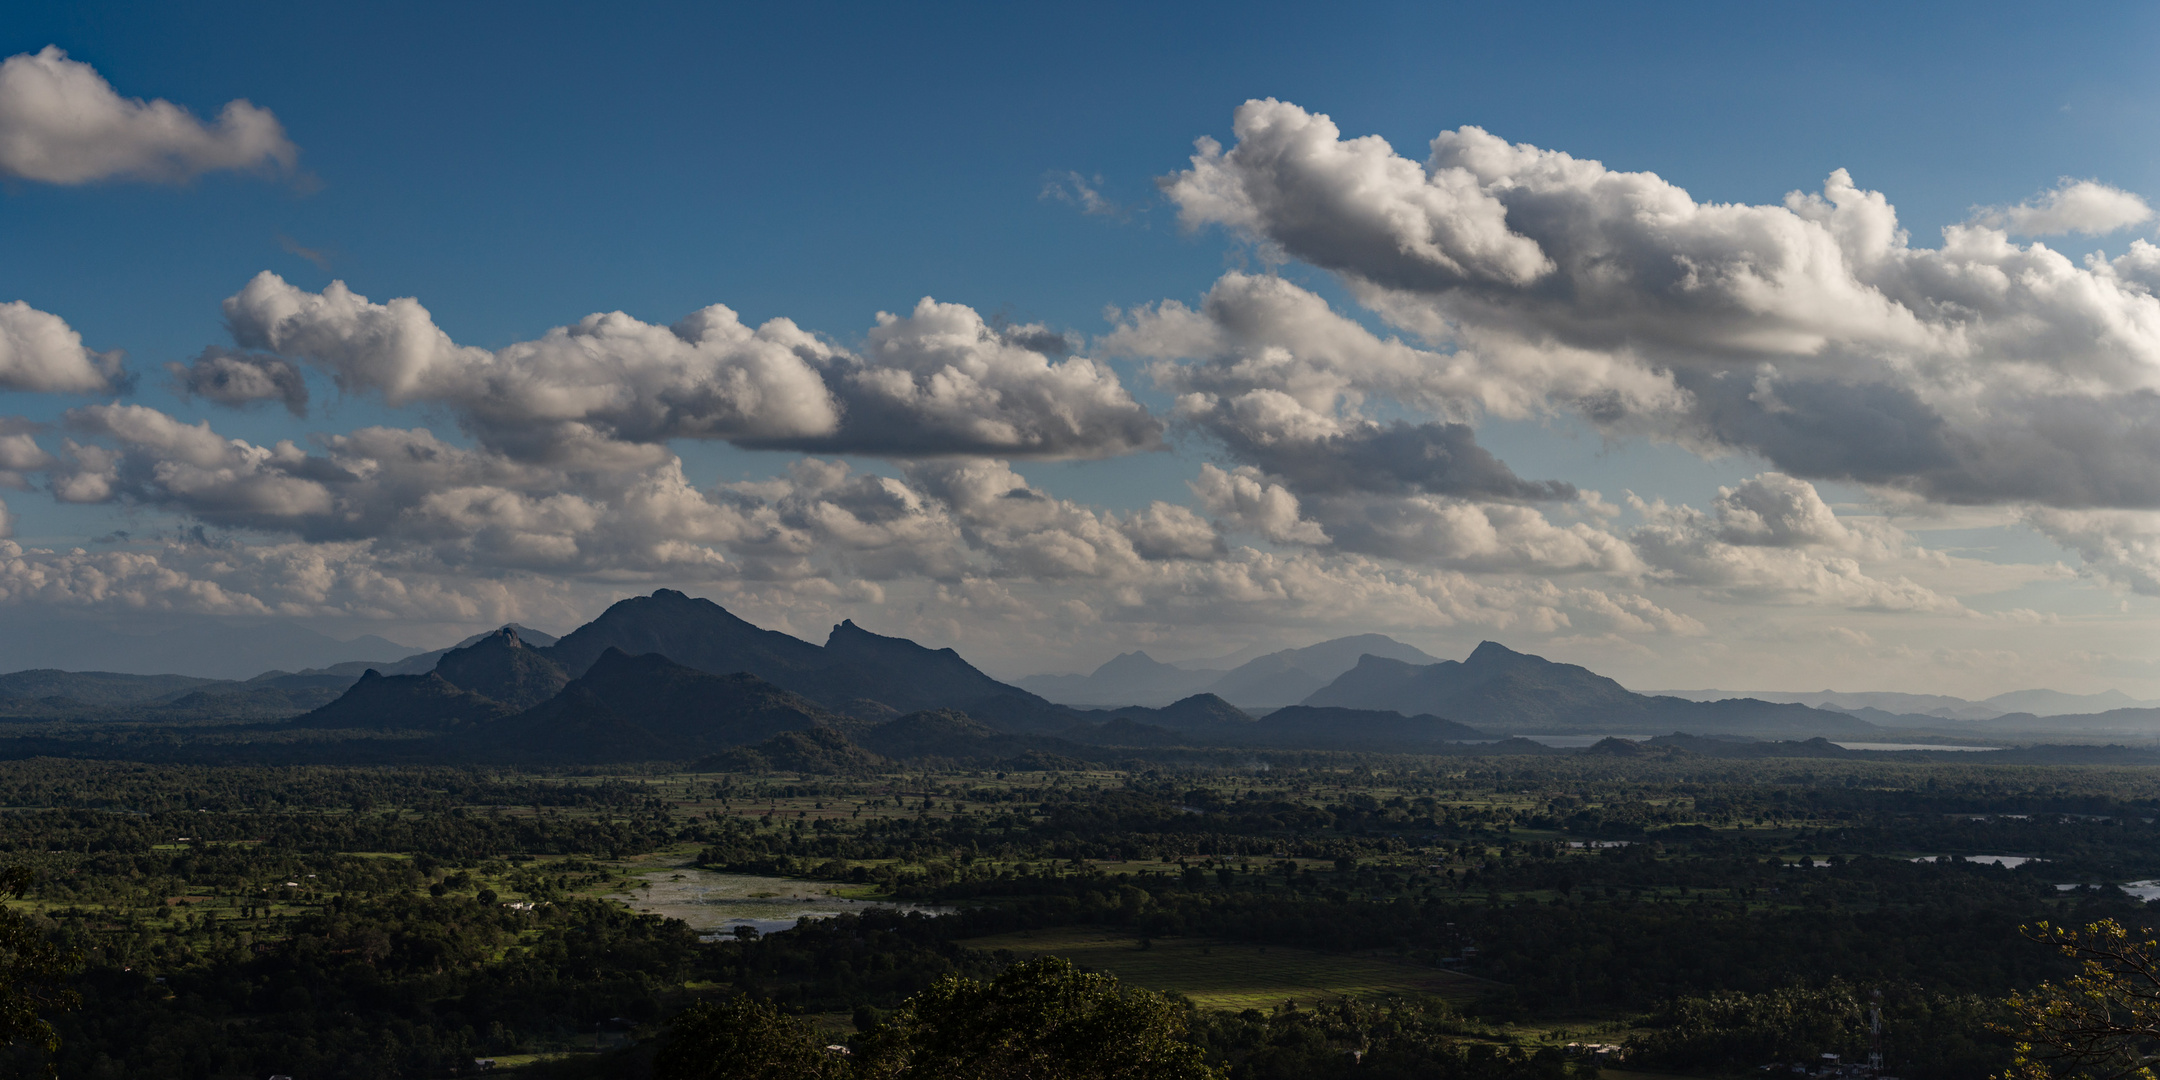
x=1231 y=975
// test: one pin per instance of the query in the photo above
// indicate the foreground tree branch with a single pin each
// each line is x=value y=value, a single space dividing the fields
x=2105 y=1022
x=31 y=970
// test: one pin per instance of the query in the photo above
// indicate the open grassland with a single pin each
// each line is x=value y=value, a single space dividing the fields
x=1226 y=975
x=1609 y=1073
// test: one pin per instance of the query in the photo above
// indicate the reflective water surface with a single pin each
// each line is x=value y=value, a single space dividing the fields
x=1908 y=746
x=717 y=903
x=2008 y=861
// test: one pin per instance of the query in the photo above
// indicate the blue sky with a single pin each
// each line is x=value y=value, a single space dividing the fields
x=517 y=167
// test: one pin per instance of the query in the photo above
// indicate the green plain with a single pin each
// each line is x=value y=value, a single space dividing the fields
x=1224 y=975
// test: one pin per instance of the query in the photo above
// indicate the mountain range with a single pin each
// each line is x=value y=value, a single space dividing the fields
x=1275 y=679
x=668 y=676
x=671 y=677
x=1507 y=692
x=55 y=694
x=500 y=699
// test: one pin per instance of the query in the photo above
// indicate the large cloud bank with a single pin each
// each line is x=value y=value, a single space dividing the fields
x=938 y=381
x=1811 y=333
x=397 y=523
x=1346 y=484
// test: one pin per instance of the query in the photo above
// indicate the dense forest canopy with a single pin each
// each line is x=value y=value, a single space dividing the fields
x=1699 y=913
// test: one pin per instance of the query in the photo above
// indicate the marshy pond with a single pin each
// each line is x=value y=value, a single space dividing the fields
x=715 y=904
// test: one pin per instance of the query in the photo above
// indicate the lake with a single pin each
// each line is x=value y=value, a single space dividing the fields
x=1574 y=742
x=1907 y=746
x=715 y=903
x=2142 y=890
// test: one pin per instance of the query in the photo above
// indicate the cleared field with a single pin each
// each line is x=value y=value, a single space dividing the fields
x=1224 y=975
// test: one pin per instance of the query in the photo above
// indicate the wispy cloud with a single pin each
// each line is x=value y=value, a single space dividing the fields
x=319 y=256
x=1073 y=189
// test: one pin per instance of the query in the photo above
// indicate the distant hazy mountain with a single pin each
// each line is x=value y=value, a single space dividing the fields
x=270 y=695
x=1936 y=706
x=2057 y=703
x=416 y=664
x=1226 y=661
x=1292 y=675
x=1207 y=720
x=2136 y=724
x=422 y=663
x=148 y=648
x=92 y=694
x=2139 y=722
x=1202 y=714
x=1275 y=679
x=1133 y=678
x=1501 y=690
x=1331 y=728
x=96 y=687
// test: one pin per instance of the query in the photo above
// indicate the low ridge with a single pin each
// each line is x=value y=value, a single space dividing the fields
x=1501 y=690
x=403 y=703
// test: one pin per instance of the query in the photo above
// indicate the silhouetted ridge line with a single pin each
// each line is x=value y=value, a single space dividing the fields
x=643 y=708
x=1504 y=691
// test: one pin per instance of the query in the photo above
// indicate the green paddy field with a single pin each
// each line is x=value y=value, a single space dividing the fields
x=1225 y=975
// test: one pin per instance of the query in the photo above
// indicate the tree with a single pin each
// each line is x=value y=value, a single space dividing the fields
x=31 y=971
x=2105 y=1022
x=1040 y=1020
x=744 y=1039
x=1731 y=1029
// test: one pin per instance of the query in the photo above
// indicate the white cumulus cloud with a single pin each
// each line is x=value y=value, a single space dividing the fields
x=62 y=123
x=610 y=388
x=20 y=454
x=1773 y=539
x=2072 y=206
x=39 y=351
x=1244 y=500
x=941 y=381
x=1810 y=333
x=2116 y=546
